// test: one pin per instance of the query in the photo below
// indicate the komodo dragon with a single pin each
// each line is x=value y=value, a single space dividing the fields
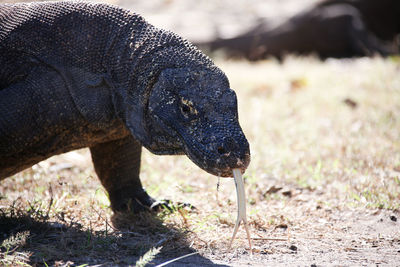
x=77 y=74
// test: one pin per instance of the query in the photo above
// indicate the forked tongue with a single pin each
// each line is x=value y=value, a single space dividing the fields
x=241 y=200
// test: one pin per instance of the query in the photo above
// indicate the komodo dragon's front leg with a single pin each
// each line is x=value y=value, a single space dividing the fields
x=51 y=112
x=117 y=164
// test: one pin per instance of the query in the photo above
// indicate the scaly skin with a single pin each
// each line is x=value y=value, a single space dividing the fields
x=78 y=74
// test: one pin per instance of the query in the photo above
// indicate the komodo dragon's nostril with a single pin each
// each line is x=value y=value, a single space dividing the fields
x=221 y=150
x=229 y=145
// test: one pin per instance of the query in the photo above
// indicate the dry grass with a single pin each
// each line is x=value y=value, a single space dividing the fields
x=325 y=149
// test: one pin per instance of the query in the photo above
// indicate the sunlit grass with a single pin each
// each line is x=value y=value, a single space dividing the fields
x=307 y=134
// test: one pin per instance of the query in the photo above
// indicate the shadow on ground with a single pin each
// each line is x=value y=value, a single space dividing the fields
x=25 y=238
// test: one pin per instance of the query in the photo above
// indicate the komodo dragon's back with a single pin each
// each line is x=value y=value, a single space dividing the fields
x=61 y=33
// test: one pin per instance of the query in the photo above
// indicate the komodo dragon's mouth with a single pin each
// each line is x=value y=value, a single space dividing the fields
x=216 y=163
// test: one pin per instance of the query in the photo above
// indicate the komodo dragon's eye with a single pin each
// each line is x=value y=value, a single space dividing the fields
x=187 y=108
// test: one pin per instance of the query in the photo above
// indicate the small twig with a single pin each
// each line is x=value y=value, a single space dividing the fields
x=129 y=233
x=176 y=259
x=185 y=221
x=104 y=219
x=51 y=202
x=217 y=193
x=161 y=242
x=270 y=238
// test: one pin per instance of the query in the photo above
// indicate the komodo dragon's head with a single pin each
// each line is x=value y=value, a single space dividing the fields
x=194 y=112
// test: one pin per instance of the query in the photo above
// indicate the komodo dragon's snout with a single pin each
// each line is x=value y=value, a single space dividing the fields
x=194 y=112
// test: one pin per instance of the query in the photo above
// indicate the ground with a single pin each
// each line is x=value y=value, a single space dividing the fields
x=323 y=187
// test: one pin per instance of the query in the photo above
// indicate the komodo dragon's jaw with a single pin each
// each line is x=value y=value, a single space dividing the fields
x=194 y=112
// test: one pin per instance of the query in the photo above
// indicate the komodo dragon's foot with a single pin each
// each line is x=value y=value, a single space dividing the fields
x=126 y=217
x=168 y=205
x=141 y=201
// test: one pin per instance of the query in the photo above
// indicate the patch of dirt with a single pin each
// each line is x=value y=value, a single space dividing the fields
x=333 y=238
x=319 y=237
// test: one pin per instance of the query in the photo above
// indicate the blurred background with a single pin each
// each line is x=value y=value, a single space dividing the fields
x=259 y=29
x=204 y=20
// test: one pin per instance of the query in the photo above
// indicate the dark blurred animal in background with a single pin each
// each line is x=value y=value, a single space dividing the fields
x=331 y=28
